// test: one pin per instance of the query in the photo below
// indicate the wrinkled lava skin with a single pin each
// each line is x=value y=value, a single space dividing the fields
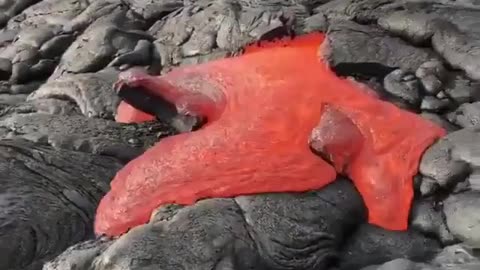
x=261 y=109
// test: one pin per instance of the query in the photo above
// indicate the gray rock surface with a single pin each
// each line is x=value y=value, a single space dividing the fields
x=372 y=245
x=438 y=164
x=96 y=136
x=247 y=232
x=356 y=48
x=48 y=200
x=467 y=115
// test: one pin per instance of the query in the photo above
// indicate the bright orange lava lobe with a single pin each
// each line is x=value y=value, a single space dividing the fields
x=262 y=107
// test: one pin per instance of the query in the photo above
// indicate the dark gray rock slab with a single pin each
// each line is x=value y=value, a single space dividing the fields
x=93 y=93
x=371 y=245
x=78 y=133
x=426 y=217
x=269 y=231
x=207 y=30
x=40 y=35
x=314 y=235
x=368 y=50
x=452 y=32
x=438 y=164
x=103 y=40
x=48 y=199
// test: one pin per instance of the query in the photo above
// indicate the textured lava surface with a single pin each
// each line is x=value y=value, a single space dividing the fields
x=261 y=109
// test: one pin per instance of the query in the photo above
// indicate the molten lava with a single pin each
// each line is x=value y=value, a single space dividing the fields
x=261 y=109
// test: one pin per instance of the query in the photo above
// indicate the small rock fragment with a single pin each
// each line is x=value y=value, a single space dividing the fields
x=428 y=186
x=368 y=50
x=438 y=164
x=462 y=89
x=433 y=104
x=431 y=74
x=449 y=127
x=441 y=95
x=467 y=115
x=403 y=85
x=463 y=216
x=317 y=22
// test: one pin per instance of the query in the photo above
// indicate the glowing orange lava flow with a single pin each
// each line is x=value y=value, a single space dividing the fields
x=261 y=109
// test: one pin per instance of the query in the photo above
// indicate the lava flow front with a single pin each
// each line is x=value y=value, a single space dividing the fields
x=261 y=108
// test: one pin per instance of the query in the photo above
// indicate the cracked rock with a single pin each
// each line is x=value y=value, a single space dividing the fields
x=208 y=30
x=247 y=232
x=102 y=41
x=431 y=74
x=368 y=50
x=452 y=32
x=92 y=92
